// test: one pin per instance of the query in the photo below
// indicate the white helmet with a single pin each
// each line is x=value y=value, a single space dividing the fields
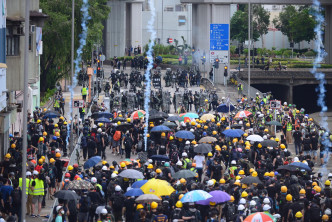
x=233 y=162
x=266 y=207
x=179 y=163
x=113 y=175
x=99 y=130
x=329 y=175
x=285 y=103
x=242 y=201
x=28 y=173
x=150 y=160
x=328 y=211
x=104 y=168
x=93 y=180
x=296 y=159
x=117 y=188
x=58 y=208
x=187 y=142
x=103 y=211
x=240 y=122
x=265 y=137
x=192 y=130
x=35 y=172
x=241 y=207
x=184 y=154
x=57 y=150
x=210 y=183
x=266 y=200
x=252 y=203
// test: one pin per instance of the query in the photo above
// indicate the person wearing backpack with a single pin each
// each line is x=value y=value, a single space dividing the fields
x=16 y=205
x=116 y=142
x=128 y=143
x=117 y=203
x=229 y=211
x=83 y=208
x=100 y=141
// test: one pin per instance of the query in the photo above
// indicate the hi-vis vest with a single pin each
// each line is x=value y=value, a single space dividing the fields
x=84 y=91
x=39 y=187
x=289 y=127
x=26 y=185
x=56 y=104
x=30 y=192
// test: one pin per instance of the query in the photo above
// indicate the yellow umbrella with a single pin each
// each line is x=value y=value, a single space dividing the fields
x=157 y=187
x=208 y=117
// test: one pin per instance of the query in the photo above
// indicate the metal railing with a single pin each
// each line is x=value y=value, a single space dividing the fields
x=245 y=85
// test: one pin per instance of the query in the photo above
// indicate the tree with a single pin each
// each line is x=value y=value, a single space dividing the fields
x=296 y=23
x=239 y=26
x=261 y=20
x=55 y=63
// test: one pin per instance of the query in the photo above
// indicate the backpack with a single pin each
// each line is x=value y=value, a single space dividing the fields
x=315 y=212
x=40 y=149
x=140 y=146
x=176 y=214
x=65 y=185
x=106 y=141
x=230 y=215
x=16 y=197
x=85 y=204
x=128 y=141
x=84 y=142
x=98 y=138
x=117 y=136
x=118 y=202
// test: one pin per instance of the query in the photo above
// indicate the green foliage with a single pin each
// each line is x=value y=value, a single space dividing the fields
x=261 y=20
x=310 y=53
x=56 y=58
x=233 y=49
x=46 y=97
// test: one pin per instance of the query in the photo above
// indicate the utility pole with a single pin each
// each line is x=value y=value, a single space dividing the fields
x=249 y=47
x=25 y=108
x=71 y=142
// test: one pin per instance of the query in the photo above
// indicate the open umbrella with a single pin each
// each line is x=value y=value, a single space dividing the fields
x=92 y=162
x=232 y=133
x=51 y=114
x=139 y=183
x=103 y=120
x=124 y=126
x=160 y=157
x=147 y=198
x=218 y=196
x=208 y=116
x=274 y=123
x=301 y=165
x=243 y=114
x=118 y=119
x=173 y=118
x=251 y=180
x=255 y=138
x=195 y=195
x=157 y=187
x=260 y=217
x=160 y=128
x=223 y=108
x=137 y=114
x=236 y=126
x=203 y=148
x=269 y=143
x=135 y=192
x=66 y=195
x=185 y=135
x=80 y=185
x=207 y=139
x=290 y=168
x=184 y=174
x=170 y=124
x=101 y=114
x=131 y=174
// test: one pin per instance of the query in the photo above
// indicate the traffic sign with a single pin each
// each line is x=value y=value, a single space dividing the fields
x=275 y=104
x=219 y=37
x=221 y=55
x=102 y=58
x=170 y=40
x=78 y=103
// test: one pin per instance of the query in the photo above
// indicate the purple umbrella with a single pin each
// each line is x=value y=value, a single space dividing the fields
x=218 y=196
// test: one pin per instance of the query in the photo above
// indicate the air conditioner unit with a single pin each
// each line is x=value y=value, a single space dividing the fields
x=18 y=30
x=32 y=28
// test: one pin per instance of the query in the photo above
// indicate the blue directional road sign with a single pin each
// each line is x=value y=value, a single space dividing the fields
x=219 y=37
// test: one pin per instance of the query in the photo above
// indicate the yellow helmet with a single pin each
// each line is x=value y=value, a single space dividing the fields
x=171 y=138
x=198 y=125
x=205 y=127
x=43 y=157
x=266 y=174
x=116 y=172
x=38 y=121
x=139 y=206
x=217 y=147
x=187 y=120
x=271 y=138
x=251 y=170
x=213 y=120
x=158 y=170
x=179 y=204
x=194 y=142
x=180 y=196
x=289 y=197
x=277 y=139
x=183 y=181
x=283 y=189
x=325 y=217
x=57 y=134
x=58 y=155
x=210 y=154
x=151 y=125
x=232 y=199
x=128 y=120
x=223 y=118
x=299 y=214
x=244 y=186
x=241 y=172
x=247 y=148
x=266 y=130
x=180 y=139
x=297 y=111
x=206 y=100
x=112 y=167
x=154 y=205
x=65 y=123
x=8 y=155
x=70 y=167
x=41 y=139
x=44 y=109
x=235 y=140
x=119 y=123
x=120 y=115
x=218 y=124
x=302 y=191
x=193 y=123
x=247 y=124
x=104 y=162
x=148 y=135
x=271 y=174
x=56 y=125
x=254 y=174
x=40 y=161
x=222 y=181
x=245 y=134
x=52 y=160
x=259 y=145
x=62 y=118
x=317 y=189
x=282 y=146
x=100 y=124
x=123 y=164
x=163 y=134
x=44 y=133
x=13 y=145
x=212 y=203
x=214 y=132
x=327 y=183
x=314 y=184
x=244 y=194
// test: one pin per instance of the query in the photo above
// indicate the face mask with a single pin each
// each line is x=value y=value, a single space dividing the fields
x=62 y=212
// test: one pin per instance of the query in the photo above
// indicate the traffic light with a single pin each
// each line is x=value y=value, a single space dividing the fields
x=167 y=40
x=98 y=71
x=225 y=71
x=216 y=63
x=203 y=59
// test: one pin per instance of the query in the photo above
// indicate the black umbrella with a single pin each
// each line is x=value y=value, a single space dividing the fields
x=117 y=119
x=236 y=126
x=173 y=118
x=251 y=180
x=66 y=195
x=156 y=112
x=160 y=157
x=184 y=174
x=170 y=124
x=124 y=126
x=203 y=148
x=97 y=115
x=291 y=168
x=51 y=114
x=269 y=143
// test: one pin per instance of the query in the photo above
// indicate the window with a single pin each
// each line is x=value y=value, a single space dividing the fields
x=180 y=7
x=182 y=20
x=12 y=42
x=168 y=9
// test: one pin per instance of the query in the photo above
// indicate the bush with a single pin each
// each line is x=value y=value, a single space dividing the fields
x=48 y=94
x=310 y=53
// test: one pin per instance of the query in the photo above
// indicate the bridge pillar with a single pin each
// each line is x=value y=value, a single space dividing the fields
x=202 y=16
x=290 y=94
x=328 y=34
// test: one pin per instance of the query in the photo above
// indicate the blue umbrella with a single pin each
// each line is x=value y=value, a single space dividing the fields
x=223 y=108
x=185 y=135
x=195 y=195
x=92 y=162
x=139 y=183
x=134 y=192
x=97 y=115
x=160 y=157
x=240 y=131
x=51 y=114
x=301 y=165
x=160 y=128
x=232 y=133
x=103 y=120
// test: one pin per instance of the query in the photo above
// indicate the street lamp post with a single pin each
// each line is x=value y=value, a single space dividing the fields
x=249 y=45
x=71 y=142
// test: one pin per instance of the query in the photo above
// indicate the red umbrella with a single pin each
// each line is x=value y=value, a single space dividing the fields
x=243 y=114
x=260 y=217
x=138 y=114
